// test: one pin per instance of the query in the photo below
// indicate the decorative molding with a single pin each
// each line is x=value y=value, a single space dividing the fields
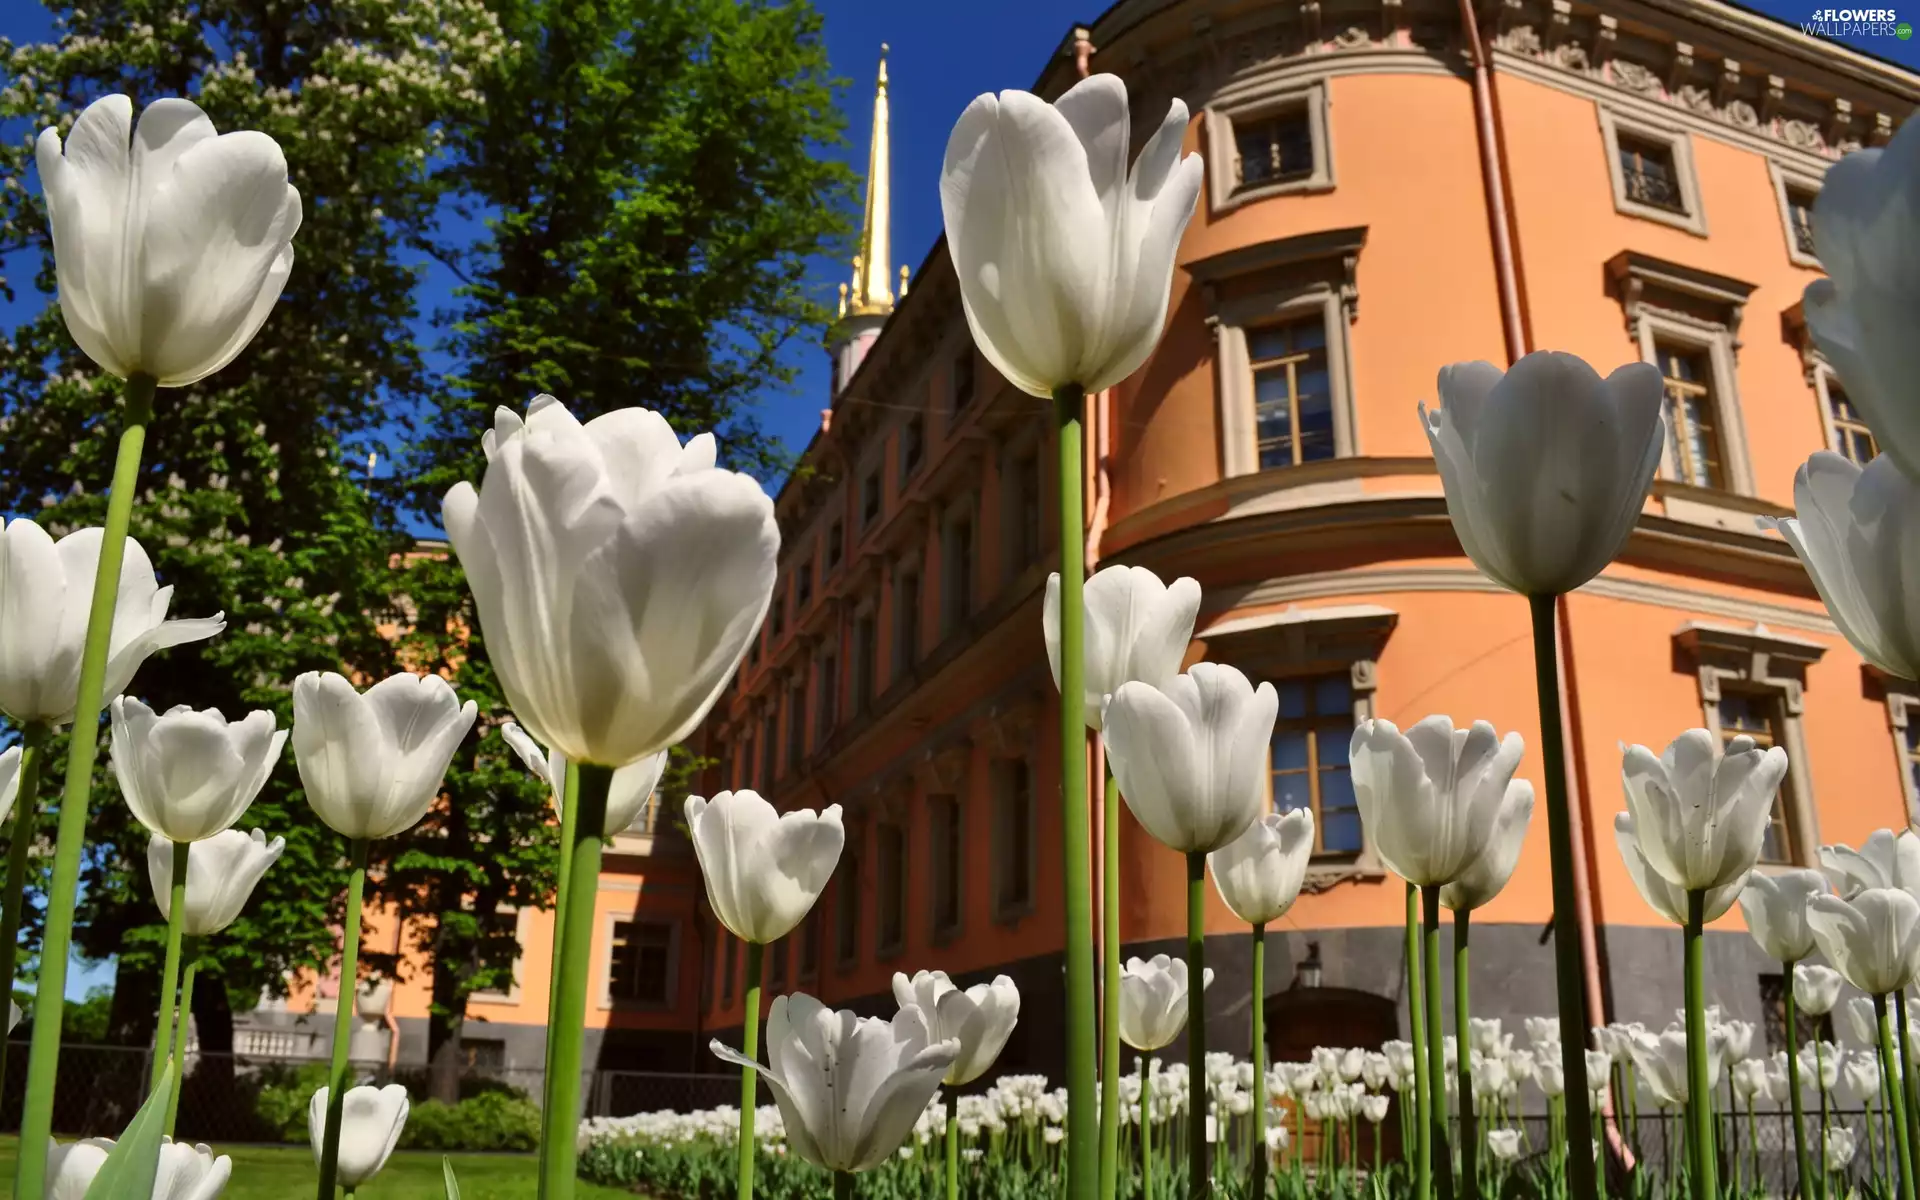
x=943 y=769
x=1615 y=124
x=1297 y=640
x=1788 y=179
x=1754 y=655
x=1005 y=729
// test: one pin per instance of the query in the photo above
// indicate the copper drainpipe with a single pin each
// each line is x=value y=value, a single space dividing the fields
x=1513 y=325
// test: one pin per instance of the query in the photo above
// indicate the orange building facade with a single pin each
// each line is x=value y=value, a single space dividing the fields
x=1632 y=182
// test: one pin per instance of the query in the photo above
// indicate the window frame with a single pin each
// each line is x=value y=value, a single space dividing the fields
x=670 y=986
x=795 y=746
x=913 y=445
x=826 y=695
x=1359 y=711
x=959 y=574
x=1788 y=179
x=963 y=367
x=1613 y=123
x=1823 y=378
x=885 y=947
x=866 y=654
x=908 y=634
x=1249 y=105
x=946 y=857
x=1903 y=714
x=512 y=994
x=846 y=934
x=1008 y=910
x=1670 y=467
x=1020 y=470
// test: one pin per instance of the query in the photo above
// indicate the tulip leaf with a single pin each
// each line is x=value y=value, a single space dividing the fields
x=453 y=1185
x=135 y=1159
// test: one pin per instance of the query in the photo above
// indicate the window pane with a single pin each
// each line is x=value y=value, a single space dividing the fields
x=1290 y=751
x=1316 y=417
x=1333 y=696
x=1270 y=341
x=1340 y=832
x=1291 y=792
x=1332 y=742
x=1293 y=698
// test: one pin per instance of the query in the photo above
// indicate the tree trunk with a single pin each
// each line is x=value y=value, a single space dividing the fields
x=445 y=1019
x=136 y=1006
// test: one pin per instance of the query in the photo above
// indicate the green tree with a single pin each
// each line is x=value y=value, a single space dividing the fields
x=249 y=502
x=651 y=177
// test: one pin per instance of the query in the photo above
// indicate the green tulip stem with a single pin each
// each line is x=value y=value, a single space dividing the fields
x=1083 y=1131
x=1802 y=1157
x=343 y=1005
x=1890 y=1067
x=1463 y=1066
x=749 y=1078
x=56 y=941
x=1437 y=1043
x=843 y=1185
x=170 y=970
x=1198 y=1181
x=183 y=1024
x=1909 y=1081
x=1570 y=971
x=1146 y=1129
x=26 y=808
x=560 y=1119
x=1423 y=1082
x=1259 y=1060
x=1700 y=1147
x=953 y=1148
x=1110 y=995
x=568 y=785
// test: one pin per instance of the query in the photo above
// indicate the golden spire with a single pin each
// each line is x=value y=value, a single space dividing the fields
x=872 y=266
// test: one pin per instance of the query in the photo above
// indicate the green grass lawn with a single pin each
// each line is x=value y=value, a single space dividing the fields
x=280 y=1172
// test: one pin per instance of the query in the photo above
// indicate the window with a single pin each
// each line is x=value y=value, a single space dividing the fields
x=809 y=935
x=913 y=437
x=777 y=983
x=769 y=735
x=803 y=586
x=1024 y=509
x=866 y=662
x=846 y=912
x=1013 y=859
x=1268 y=142
x=870 y=499
x=743 y=764
x=500 y=927
x=484 y=1054
x=1651 y=170
x=779 y=612
x=642 y=965
x=1309 y=762
x=796 y=723
x=1693 y=441
x=893 y=888
x=729 y=966
x=956 y=573
x=1800 y=219
x=836 y=544
x=1773 y=1004
x=1851 y=437
x=1292 y=393
x=963 y=379
x=1758 y=716
x=947 y=847
x=826 y=704
x=1796 y=191
x=906 y=600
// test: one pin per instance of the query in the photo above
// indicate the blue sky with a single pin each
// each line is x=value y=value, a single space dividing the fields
x=942 y=56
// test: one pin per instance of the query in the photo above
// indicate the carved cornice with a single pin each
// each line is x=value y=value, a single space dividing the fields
x=1646 y=284
x=1755 y=655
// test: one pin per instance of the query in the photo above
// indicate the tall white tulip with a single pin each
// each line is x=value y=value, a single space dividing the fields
x=763 y=869
x=171 y=242
x=1545 y=466
x=627 y=796
x=1751 y=1080
x=190 y=1172
x=1882 y=861
x=1857 y=531
x=849 y=1088
x=1861 y=314
x=9 y=780
x=1839 y=1148
x=1664 y=897
x=71 y=1167
x=618 y=575
x=1153 y=1001
x=1136 y=628
x=371 y=1120
x=222 y=872
x=1191 y=756
x=188 y=775
x=1488 y=874
x=1064 y=256
x=1862 y=1023
x=1701 y=814
x=1259 y=873
x=372 y=762
x=1662 y=1062
x=1431 y=797
x=46 y=588
x=1873 y=940
x=979 y=1018
x=1775 y=907
x=1816 y=989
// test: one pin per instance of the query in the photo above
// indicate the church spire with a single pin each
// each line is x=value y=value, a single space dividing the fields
x=871 y=294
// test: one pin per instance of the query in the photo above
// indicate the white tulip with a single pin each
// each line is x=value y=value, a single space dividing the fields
x=190 y=1172
x=1153 y=1001
x=1599 y=1070
x=1546 y=466
x=849 y=1088
x=1372 y=1107
x=222 y=872
x=1860 y=316
x=1486 y=875
x=1191 y=757
x=188 y=775
x=371 y=1119
x=1504 y=1144
x=1259 y=873
x=980 y=1018
x=1662 y=1062
x=1750 y=1080
x=1701 y=813
x=1064 y=256
x=1816 y=989
x=13 y=1015
x=1873 y=940
x=9 y=780
x=46 y=591
x=1839 y=1148
x=1858 y=535
x=171 y=242
x=1882 y=861
x=1551 y=1075
x=1664 y=897
x=373 y=762
x=71 y=1166
x=627 y=796
x=618 y=575
x=1431 y=798
x=1775 y=907
x=1137 y=628
x=1542 y=1032
x=1736 y=1037
x=1863 y=1076
x=763 y=869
